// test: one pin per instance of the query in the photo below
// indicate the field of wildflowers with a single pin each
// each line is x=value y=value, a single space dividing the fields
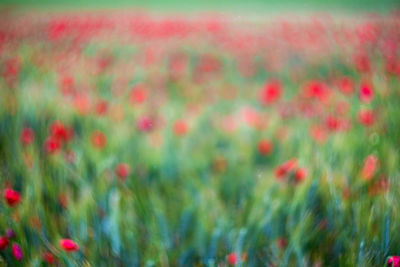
x=140 y=139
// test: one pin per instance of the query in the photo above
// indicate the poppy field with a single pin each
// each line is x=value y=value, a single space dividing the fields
x=144 y=139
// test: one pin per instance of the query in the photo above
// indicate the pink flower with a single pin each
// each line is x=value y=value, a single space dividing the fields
x=17 y=252
x=69 y=245
x=393 y=261
x=366 y=93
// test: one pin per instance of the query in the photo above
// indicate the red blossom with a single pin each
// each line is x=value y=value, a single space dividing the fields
x=366 y=117
x=265 y=147
x=12 y=197
x=17 y=252
x=27 y=136
x=366 y=93
x=122 y=170
x=68 y=245
x=180 y=128
x=271 y=92
x=98 y=139
x=370 y=167
x=3 y=242
x=232 y=258
x=52 y=145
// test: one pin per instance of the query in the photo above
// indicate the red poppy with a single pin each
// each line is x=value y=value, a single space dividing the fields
x=122 y=170
x=69 y=245
x=366 y=117
x=180 y=127
x=49 y=258
x=271 y=92
x=370 y=167
x=52 y=145
x=300 y=174
x=101 y=108
x=346 y=85
x=12 y=197
x=393 y=261
x=265 y=147
x=27 y=136
x=138 y=94
x=3 y=242
x=59 y=131
x=98 y=139
x=232 y=258
x=366 y=93
x=285 y=168
x=145 y=124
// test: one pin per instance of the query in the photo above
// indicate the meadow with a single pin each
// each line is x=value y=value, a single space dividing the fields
x=132 y=138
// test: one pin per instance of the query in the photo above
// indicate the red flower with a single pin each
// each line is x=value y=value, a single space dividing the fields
x=27 y=136
x=49 y=258
x=101 y=108
x=393 y=261
x=3 y=242
x=366 y=93
x=98 y=139
x=122 y=170
x=265 y=147
x=145 y=124
x=17 y=252
x=138 y=95
x=316 y=90
x=282 y=242
x=318 y=133
x=346 y=85
x=69 y=245
x=232 y=258
x=61 y=132
x=12 y=197
x=285 y=168
x=366 y=117
x=180 y=128
x=370 y=167
x=52 y=145
x=300 y=175
x=272 y=92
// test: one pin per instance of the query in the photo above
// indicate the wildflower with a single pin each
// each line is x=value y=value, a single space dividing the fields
x=52 y=145
x=232 y=258
x=271 y=93
x=300 y=174
x=122 y=170
x=98 y=139
x=12 y=197
x=366 y=117
x=366 y=93
x=3 y=242
x=393 y=261
x=17 y=252
x=49 y=258
x=370 y=167
x=144 y=124
x=27 y=136
x=180 y=128
x=265 y=147
x=68 y=245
